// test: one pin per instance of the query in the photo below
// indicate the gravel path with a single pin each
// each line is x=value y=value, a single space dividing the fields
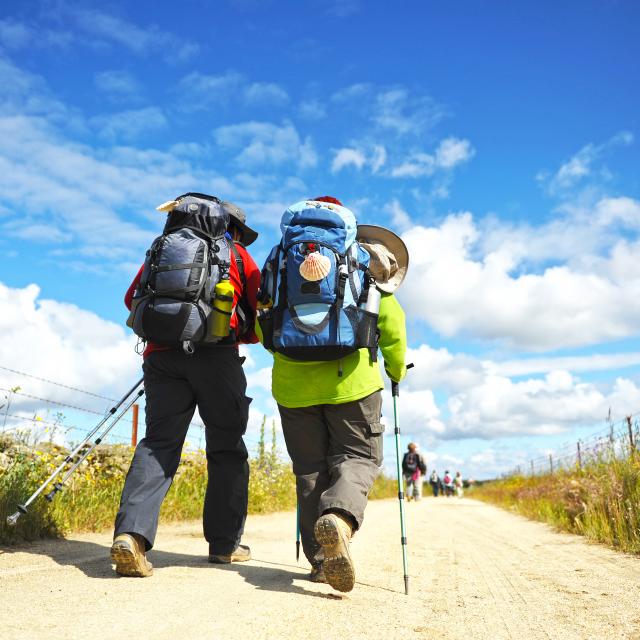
x=475 y=572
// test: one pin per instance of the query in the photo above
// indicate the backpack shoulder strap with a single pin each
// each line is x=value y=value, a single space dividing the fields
x=240 y=265
x=244 y=310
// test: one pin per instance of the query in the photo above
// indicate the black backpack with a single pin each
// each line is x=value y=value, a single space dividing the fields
x=172 y=304
x=410 y=462
x=413 y=461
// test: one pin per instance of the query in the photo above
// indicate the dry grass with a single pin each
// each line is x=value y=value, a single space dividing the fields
x=90 y=500
x=600 y=501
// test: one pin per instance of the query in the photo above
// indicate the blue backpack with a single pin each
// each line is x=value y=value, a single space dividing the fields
x=323 y=319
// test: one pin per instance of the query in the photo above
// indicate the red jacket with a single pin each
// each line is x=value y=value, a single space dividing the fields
x=252 y=277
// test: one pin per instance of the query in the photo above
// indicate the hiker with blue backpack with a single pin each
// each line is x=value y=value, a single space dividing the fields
x=325 y=307
x=192 y=302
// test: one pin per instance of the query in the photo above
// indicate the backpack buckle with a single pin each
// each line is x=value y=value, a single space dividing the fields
x=188 y=348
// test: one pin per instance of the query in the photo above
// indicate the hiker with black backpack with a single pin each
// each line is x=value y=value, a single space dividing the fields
x=192 y=302
x=325 y=306
x=414 y=469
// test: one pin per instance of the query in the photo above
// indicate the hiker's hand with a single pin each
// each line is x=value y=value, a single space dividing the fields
x=396 y=376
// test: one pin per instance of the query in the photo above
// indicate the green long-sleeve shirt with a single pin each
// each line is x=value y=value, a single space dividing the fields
x=295 y=383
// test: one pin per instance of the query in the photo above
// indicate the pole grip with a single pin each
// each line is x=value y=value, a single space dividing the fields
x=395 y=386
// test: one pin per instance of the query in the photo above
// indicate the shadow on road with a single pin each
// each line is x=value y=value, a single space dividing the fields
x=272 y=578
x=93 y=560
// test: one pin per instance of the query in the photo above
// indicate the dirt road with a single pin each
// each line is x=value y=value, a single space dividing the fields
x=475 y=572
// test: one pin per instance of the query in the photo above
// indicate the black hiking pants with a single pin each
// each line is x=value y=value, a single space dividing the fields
x=336 y=450
x=213 y=380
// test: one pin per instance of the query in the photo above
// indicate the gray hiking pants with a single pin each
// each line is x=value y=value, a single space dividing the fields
x=213 y=380
x=336 y=451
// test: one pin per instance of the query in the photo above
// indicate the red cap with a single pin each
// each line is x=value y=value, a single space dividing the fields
x=330 y=199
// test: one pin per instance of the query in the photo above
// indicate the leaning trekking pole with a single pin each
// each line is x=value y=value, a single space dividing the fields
x=395 y=391
x=82 y=450
x=297 y=532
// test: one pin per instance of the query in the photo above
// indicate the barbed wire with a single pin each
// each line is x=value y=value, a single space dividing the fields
x=58 y=384
x=58 y=402
x=613 y=439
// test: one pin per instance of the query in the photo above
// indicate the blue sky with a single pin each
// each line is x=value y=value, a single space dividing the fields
x=500 y=139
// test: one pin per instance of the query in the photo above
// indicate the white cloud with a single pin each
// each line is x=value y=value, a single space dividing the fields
x=593 y=362
x=374 y=157
x=342 y=8
x=99 y=27
x=262 y=143
x=490 y=295
x=378 y=158
x=406 y=113
x=502 y=407
x=581 y=164
x=418 y=164
x=400 y=219
x=25 y=93
x=453 y=151
x=17 y=35
x=128 y=125
x=77 y=190
x=204 y=91
x=64 y=343
x=482 y=401
x=449 y=153
x=346 y=157
x=265 y=93
x=14 y=34
x=623 y=210
x=117 y=85
x=353 y=94
x=312 y=110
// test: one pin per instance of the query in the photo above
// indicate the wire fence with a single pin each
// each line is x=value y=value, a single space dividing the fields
x=38 y=425
x=616 y=440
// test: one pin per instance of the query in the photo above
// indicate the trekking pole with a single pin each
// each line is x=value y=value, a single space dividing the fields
x=395 y=392
x=83 y=449
x=298 y=532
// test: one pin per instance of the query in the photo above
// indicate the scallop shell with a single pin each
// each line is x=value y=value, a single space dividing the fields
x=315 y=267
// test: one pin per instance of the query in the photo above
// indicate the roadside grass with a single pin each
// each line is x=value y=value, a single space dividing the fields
x=90 y=499
x=600 y=501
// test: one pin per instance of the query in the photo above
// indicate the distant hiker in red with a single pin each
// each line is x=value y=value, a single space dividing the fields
x=414 y=469
x=447 y=481
x=192 y=301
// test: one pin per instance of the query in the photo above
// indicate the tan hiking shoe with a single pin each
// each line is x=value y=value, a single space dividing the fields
x=241 y=554
x=128 y=554
x=334 y=534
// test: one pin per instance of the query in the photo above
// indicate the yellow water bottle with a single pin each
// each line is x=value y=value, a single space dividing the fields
x=222 y=306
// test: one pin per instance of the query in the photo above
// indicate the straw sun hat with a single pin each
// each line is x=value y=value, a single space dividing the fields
x=389 y=256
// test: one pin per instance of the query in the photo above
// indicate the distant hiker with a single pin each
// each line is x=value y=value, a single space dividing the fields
x=447 y=480
x=434 y=481
x=458 y=484
x=414 y=469
x=320 y=313
x=193 y=301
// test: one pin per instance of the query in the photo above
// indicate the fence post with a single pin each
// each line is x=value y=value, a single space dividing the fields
x=551 y=462
x=579 y=456
x=533 y=473
x=134 y=426
x=632 y=444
